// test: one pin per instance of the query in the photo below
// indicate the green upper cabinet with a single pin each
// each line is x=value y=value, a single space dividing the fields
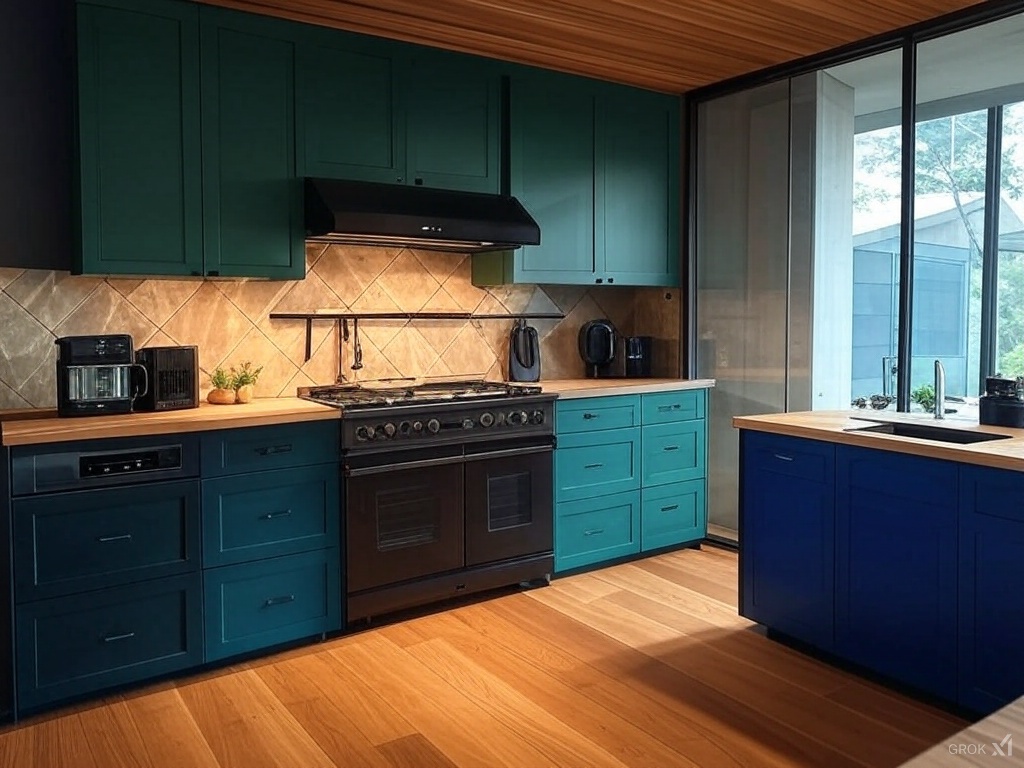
x=378 y=111
x=138 y=145
x=348 y=102
x=637 y=188
x=252 y=196
x=598 y=168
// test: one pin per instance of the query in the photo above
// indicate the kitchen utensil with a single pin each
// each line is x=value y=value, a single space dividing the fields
x=523 y=353
x=357 y=348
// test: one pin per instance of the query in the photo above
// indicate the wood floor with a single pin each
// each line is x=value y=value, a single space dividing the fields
x=645 y=664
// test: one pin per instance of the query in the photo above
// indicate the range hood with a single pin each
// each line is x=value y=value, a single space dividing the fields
x=365 y=213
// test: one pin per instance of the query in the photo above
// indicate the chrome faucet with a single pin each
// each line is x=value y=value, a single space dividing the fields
x=940 y=390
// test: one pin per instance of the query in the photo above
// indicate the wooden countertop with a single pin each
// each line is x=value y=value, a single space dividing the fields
x=840 y=426
x=964 y=749
x=31 y=427
x=570 y=388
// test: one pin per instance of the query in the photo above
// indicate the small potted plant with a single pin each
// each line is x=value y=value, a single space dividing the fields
x=223 y=392
x=924 y=396
x=244 y=381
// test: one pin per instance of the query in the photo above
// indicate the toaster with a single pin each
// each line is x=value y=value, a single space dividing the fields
x=173 y=375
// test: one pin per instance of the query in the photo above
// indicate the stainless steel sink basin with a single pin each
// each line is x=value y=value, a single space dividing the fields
x=930 y=432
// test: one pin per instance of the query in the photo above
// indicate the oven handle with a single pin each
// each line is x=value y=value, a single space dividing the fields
x=381 y=468
x=509 y=452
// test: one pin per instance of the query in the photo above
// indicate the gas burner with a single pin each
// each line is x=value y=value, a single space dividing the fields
x=387 y=393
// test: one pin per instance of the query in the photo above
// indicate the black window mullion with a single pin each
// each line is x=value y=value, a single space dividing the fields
x=906 y=295
x=990 y=246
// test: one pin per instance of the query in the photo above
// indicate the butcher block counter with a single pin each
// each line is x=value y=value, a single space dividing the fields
x=32 y=427
x=572 y=388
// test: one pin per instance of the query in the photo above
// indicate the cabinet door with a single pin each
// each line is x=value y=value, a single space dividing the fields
x=552 y=172
x=896 y=566
x=252 y=197
x=787 y=526
x=453 y=107
x=597 y=463
x=673 y=514
x=673 y=453
x=991 y=588
x=349 y=114
x=596 y=530
x=140 y=185
x=637 y=189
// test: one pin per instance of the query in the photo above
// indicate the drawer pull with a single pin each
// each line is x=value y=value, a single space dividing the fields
x=271 y=601
x=593 y=532
x=670 y=507
x=274 y=515
x=589 y=416
x=592 y=466
x=673 y=407
x=115 y=638
x=668 y=448
x=119 y=537
x=272 y=450
x=783 y=457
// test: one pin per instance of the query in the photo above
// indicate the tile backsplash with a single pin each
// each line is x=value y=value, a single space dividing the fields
x=229 y=321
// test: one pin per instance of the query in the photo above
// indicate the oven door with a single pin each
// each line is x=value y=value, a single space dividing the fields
x=404 y=514
x=508 y=501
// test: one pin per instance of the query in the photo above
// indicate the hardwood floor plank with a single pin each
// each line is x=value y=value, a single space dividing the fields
x=413 y=752
x=18 y=747
x=699 y=577
x=169 y=734
x=585 y=587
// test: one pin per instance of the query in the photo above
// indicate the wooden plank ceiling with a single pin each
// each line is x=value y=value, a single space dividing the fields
x=667 y=45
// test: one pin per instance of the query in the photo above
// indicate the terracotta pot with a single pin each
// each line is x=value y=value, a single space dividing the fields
x=221 y=396
x=245 y=393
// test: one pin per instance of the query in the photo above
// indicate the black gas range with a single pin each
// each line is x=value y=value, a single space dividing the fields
x=447 y=489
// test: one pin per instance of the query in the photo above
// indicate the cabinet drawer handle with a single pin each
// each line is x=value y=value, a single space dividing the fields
x=271 y=450
x=278 y=600
x=274 y=515
x=589 y=416
x=673 y=407
x=592 y=466
x=115 y=638
x=670 y=448
x=593 y=532
x=783 y=457
x=119 y=537
x=670 y=507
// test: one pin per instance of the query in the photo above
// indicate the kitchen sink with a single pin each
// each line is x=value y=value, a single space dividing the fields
x=930 y=432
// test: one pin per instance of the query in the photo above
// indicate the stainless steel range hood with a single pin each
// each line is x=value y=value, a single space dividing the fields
x=364 y=213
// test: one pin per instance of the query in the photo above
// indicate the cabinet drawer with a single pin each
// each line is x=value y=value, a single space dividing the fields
x=595 y=530
x=69 y=646
x=793 y=456
x=992 y=493
x=74 y=542
x=249 y=517
x=672 y=514
x=597 y=464
x=596 y=413
x=256 y=449
x=257 y=605
x=661 y=407
x=673 y=453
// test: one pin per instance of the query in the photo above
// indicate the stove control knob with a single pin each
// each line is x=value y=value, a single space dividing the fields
x=433 y=426
x=389 y=430
x=417 y=427
x=486 y=419
x=365 y=433
x=537 y=417
x=517 y=417
x=405 y=428
x=467 y=424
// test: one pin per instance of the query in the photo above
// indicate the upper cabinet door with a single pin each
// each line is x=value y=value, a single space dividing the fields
x=139 y=139
x=349 y=109
x=453 y=111
x=552 y=170
x=253 y=217
x=637 y=188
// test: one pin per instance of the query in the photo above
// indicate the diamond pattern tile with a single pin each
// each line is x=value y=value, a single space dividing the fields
x=460 y=287
x=210 y=321
x=540 y=304
x=125 y=285
x=618 y=305
x=409 y=353
x=375 y=365
x=290 y=336
x=513 y=297
x=51 y=296
x=559 y=349
x=322 y=367
x=256 y=297
x=469 y=354
x=440 y=265
x=494 y=332
x=41 y=387
x=380 y=332
x=23 y=343
x=350 y=270
x=107 y=311
x=8 y=275
x=257 y=349
x=408 y=282
x=11 y=399
x=565 y=297
x=159 y=299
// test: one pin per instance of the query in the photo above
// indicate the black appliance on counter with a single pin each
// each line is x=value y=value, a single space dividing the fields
x=608 y=354
x=523 y=353
x=97 y=375
x=1002 y=405
x=447 y=490
x=173 y=376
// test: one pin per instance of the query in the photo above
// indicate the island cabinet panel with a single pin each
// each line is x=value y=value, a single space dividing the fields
x=991 y=576
x=896 y=566
x=787 y=525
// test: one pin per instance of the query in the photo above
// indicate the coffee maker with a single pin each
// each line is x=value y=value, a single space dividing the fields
x=97 y=375
x=609 y=355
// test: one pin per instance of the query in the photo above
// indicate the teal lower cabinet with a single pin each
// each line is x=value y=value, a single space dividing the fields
x=70 y=646
x=630 y=475
x=672 y=514
x=594 y=530
x=268 y=602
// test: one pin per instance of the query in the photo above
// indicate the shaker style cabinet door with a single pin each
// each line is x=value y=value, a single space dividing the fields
x=140 y=186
